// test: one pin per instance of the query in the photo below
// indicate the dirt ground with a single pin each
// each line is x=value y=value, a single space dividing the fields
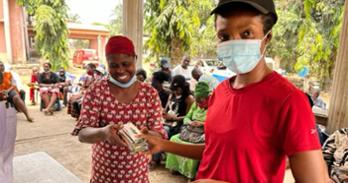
x=51 y=134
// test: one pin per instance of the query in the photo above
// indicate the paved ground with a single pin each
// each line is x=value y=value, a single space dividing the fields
x=51 y=134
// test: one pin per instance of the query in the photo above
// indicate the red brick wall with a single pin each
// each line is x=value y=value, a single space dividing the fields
x=17 y=32
x=2 y=39
x=1 y=11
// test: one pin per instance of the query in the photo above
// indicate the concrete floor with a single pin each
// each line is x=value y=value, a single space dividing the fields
x=51 y=134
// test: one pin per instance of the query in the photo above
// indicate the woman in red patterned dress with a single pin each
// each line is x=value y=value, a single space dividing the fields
x=111 y=102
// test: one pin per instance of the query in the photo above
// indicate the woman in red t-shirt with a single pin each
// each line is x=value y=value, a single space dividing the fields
x=256 y=119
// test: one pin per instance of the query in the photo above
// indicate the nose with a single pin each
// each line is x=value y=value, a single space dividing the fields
x=120 y=70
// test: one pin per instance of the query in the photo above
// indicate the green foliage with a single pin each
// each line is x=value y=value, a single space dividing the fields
x=74 y=18
x=51 y=38
x=115 y=26
x=319 y=36
x=307 y=34
x=176 y=27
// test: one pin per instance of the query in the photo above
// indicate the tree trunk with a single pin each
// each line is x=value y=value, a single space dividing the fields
x=176 y=52
x=338 y=111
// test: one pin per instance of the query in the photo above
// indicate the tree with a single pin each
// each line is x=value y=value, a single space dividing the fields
x=51 y=32
x=115 y=26
x=306 y=35
x=173 y=24
x=285 y=39
x=319 y=37
x=74 y=18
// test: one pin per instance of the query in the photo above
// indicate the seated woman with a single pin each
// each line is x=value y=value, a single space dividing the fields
x=192 y=132
x=86 y=80
x=8 y=89
x=335 y=152
x=48 y=88
x=178 y=105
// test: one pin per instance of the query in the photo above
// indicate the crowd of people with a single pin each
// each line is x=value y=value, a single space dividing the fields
x=244 y=129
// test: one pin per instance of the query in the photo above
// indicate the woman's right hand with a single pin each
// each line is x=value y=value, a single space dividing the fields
x=155 y=142
x=110 y=133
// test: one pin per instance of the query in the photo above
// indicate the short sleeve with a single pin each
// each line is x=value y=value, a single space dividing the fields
x=89 y=116
x=154 y=117
x=40 y=78
x=297 y=125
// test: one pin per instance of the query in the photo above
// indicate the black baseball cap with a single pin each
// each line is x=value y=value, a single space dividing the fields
x=264 y=6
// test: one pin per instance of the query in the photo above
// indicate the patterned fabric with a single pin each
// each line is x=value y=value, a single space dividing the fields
x=335 y=152
x=111 y=163
x=7 y=81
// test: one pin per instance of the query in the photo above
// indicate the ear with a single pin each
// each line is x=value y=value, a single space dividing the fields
x=269 y=37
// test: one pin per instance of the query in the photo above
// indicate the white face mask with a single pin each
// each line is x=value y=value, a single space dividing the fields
x=123 y=85
x=241 y=56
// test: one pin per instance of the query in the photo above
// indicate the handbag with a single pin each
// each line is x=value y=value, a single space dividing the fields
x=192 y=134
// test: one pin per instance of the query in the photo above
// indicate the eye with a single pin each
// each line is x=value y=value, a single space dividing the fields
x=223 y=37
x=126 y=64
x=246 y=34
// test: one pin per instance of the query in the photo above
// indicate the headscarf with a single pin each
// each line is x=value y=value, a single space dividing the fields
x=202 y=90
x=120 y=45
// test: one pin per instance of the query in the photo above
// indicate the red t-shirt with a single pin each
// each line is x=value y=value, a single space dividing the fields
x=250 y=131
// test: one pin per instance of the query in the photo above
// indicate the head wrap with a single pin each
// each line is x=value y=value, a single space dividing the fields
x=119 y=45
x=202 y=90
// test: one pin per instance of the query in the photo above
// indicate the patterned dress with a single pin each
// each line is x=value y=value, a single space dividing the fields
x=335 y=152
x=112 y=163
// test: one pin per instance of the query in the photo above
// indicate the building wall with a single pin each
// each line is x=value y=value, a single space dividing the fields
x=1 y=11
x=2 y=31
x=2 y=39
x=17 y=32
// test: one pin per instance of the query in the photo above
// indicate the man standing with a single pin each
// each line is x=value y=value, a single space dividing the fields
x=183 y=68
x=165 y=65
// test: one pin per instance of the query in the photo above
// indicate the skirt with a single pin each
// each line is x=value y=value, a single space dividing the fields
x=185 y=166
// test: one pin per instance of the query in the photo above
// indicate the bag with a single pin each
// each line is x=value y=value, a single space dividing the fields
x=192 y=134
